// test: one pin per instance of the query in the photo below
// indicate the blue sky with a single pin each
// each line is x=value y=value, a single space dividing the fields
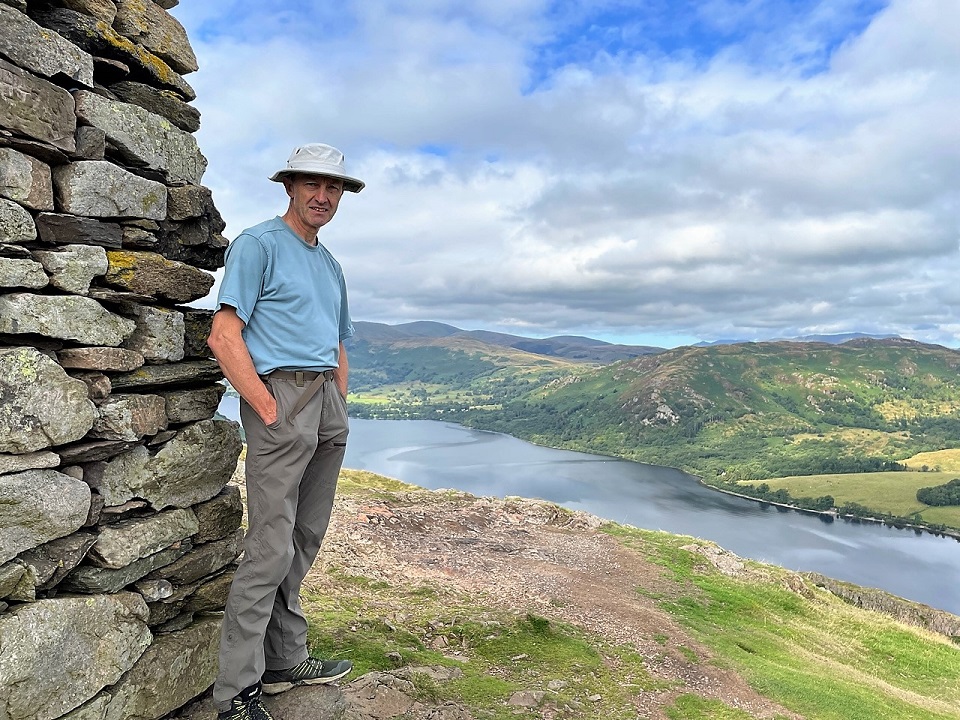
x=657 y=172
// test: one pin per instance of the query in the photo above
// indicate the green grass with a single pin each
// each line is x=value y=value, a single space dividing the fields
x=380 y=627
x=812 y=654
x=694 y=707
x=894 y=493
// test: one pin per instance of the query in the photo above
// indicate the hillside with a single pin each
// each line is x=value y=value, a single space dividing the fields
x=456 y=607
x=747 y=411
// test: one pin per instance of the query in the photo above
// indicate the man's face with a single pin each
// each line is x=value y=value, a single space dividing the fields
x=313 y=200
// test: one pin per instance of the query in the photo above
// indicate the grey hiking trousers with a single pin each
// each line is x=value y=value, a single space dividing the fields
x=291 y=476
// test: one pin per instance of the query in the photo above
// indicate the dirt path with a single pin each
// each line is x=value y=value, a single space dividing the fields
x=527 y=556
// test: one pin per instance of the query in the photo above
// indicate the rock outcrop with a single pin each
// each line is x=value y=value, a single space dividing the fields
x=118 y=532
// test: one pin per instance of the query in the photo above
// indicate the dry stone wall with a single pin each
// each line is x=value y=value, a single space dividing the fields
x=118 y=531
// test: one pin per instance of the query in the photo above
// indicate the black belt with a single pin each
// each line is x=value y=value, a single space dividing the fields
x=300 y=377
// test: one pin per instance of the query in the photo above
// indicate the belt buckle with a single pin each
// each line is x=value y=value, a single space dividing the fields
x=299 y=377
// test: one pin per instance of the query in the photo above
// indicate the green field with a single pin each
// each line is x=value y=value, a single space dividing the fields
x=893 y=493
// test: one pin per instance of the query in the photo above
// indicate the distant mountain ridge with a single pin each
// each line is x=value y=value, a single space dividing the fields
x=832 y=339
x=571 y=347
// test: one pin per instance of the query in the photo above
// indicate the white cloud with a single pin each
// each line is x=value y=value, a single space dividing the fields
x=785 y=173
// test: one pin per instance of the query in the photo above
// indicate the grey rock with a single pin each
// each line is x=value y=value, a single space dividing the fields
x=91 y=143
x=68 y=317
x=74 y=471
x=154 y=590
x=38 y=506
x=17 y=252
x=40 y=405
x=16 y=273
x=36 y=108
x=96 y=511
x=130 y=509
x=103 y=635
x=92 y=451
x=41 y=51
x=127 y=541
x=59 y=229
x=202 y=560
x=100 y=358
x=148 y=273
x=138 y=238
x=196 y=465
x=105 y=10
x=74 y=267
x=26 y=589
x=159 y=334
x=161 y=102
x=188 y=372
x=16 y=224
x=178 y=623
x=44 y=152
x=99 y=39
x=92 y=710
x=50 y=563
x=118 y=297
x=97 y=188
x=378 y=695
x=190 y=469
x=129 y=417
x=158 y=31
x=163 y=612
x=162 y=438
x=28 y=461
x=197 y=324
x=185 y=406
x=96 y=580
x=25 y=179
x=219 y=516
x=197 y=239
x=98 y=384
x=211 y=594
x=176 y=668
x=10 y=574
x=142 y=138
x=188 y=201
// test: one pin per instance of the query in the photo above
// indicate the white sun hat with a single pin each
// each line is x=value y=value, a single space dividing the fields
x=318 y=159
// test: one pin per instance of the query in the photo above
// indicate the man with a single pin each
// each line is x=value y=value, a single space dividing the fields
x=278 y=335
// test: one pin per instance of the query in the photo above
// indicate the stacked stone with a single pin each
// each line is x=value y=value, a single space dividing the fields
x=118 y=531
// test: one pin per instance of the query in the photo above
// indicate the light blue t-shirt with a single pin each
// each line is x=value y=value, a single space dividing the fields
x=291 y=296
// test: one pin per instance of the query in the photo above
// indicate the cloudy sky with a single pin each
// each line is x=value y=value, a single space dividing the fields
x=645 y=171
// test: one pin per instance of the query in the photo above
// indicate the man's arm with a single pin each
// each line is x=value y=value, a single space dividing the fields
x=340 y=373
x=231 y=352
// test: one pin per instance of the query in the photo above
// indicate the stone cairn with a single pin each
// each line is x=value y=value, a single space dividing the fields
x=118 y=531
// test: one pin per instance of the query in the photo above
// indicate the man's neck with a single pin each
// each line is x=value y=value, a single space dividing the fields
x=307 y=234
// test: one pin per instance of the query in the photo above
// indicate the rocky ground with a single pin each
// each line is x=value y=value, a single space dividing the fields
x=519 y=555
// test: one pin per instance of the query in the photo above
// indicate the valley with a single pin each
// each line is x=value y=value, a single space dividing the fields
x=741 y=416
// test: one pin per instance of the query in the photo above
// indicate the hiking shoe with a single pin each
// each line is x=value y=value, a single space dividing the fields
x=311 y=671
x=246 y=706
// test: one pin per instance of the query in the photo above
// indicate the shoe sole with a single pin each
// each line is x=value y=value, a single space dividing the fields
x=279 y=687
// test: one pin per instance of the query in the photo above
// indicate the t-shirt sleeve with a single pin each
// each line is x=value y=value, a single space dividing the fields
x=242 y=284
x=346 y=326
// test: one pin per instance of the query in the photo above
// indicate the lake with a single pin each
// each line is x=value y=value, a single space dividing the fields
x=435 y=455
